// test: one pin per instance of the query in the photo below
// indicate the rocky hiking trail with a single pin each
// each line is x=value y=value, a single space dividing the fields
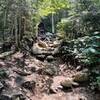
x=43 y=76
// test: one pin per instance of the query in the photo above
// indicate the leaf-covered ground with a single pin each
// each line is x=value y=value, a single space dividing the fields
x=27 y=77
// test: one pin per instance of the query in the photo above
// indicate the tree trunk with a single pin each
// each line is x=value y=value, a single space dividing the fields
x=5 y=17
x=23 y=27
x=16 y=32
x=19 y=29
x=53 y=26
x=4 y=25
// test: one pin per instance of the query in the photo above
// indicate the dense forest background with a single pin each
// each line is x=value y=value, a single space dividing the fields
x=76 y=20
x=76 y=23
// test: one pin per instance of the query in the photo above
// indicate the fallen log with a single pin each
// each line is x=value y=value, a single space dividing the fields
x=5 y=54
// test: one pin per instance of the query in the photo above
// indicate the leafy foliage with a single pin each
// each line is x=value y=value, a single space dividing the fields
x=83 y=19
x=86 y=49
x=46 y=7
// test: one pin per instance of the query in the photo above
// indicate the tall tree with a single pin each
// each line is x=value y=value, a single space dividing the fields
x=16 y=18
x=47 y=7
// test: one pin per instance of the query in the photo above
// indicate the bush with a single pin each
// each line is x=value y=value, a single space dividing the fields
x=85 y=49
x=65 y=28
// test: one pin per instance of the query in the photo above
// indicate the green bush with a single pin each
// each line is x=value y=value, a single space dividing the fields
x=86 y=49
x=64 y=28
x=92 y=49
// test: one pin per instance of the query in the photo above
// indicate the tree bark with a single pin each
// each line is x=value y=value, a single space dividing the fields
x=53 y=26
x=16 y=32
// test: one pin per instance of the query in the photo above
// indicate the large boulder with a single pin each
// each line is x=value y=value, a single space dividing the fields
x=39 y=48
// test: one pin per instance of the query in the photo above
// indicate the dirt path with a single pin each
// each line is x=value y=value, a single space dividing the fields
x=40 y=78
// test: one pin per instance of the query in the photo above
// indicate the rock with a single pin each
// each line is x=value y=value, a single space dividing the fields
x=68 y=82
x=40 y=57
x=56 y=51
x=53 y=45
x=81 y=77
x=1 y=86
x=56 y=44
x=85 y=70
x=50 y=58
x=49 y=36
x=83 y=98
x=30 y=85
x=42 y=44
x=19 y=80
x=36 y=49
x=12 y=94
x=4 y=73
x=18 y=97
x=22 y=73
x=33 y=69
x=78 y=68
x=56 y=85
x=5 y=97
x=50 y=70
x=60 y=82
x=27 y=83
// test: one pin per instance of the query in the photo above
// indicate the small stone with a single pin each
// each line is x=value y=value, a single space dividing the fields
x=50 y=70
x=33 y=69
x=42 y=44
x=60 y=82
x=79 y=68
x=5 y=97
x=18 y=97
x=56 y=51
x=50 y=58
x=4 y=73
x=82 y=98
x=1 y=86
x=22 y=73
x=56 y=43
x=19 y=80
x=85 y=70
x=10 y=94
x=40 y=57
x=30 y=85
x=68 y=82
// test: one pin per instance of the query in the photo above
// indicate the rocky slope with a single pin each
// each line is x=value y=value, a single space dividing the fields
x=43 y=76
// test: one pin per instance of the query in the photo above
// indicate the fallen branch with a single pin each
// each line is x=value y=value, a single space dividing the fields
x=5 y=54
